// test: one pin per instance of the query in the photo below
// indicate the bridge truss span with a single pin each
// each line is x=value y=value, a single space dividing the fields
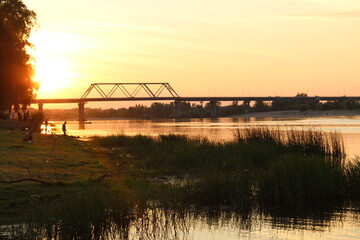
x=153 y=90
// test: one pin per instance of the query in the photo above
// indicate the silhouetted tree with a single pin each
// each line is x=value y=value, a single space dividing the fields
x=16 y=70
x=290 y=104
x=301 y=95
x=260 y=106
x=161 y=110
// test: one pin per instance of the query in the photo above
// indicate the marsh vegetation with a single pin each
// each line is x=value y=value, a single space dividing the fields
x=159 y=186
x=261 y=165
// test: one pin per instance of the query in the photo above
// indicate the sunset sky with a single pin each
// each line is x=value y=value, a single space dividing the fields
x=201 y=47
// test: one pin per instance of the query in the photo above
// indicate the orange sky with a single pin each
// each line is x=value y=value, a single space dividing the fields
x=201 y=47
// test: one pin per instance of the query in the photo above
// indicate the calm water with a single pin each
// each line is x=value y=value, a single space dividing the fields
x=336 y=224
x=333 y=223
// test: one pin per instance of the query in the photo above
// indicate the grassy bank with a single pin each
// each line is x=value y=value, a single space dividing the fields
x=33 y=175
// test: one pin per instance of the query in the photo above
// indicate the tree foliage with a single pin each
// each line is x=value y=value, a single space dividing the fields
x=260 y=106
x=16 y=69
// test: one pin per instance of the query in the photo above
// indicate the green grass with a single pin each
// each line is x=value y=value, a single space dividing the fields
x=65 y=162
x=56 y=158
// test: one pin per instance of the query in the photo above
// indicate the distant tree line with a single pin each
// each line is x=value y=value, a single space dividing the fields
x=201 y=110
x=156 y=110
x=302 y=104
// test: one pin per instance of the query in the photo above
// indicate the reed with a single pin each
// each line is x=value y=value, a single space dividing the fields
x=273 y=166
x=297 y=181
x=211 y=191
x=353 y=178
x=306 y=141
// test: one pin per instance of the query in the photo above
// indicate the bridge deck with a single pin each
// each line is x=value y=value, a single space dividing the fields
x=191 y=99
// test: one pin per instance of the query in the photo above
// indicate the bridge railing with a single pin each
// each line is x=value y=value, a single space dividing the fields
x=159 y=87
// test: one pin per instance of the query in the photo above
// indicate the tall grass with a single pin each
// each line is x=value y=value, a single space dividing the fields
x=297 y=181
x=353 y=178
x=309 y=166
x=211 y=191
x=306 y=141
x=275 y=167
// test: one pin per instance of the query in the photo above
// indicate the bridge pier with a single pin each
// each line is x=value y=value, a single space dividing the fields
x=81 y=125
x=41 y=106
x=177 y=109
x=247 y=105
x=213 y=110
x=81 y=111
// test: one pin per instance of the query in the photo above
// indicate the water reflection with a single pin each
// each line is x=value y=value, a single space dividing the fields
x=203 y=224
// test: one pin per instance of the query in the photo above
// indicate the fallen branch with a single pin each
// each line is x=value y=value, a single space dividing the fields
x=26 y=180
x=105 y=175
x=99 y=179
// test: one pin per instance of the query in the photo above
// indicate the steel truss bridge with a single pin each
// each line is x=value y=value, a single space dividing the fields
x=153 y=92
x=130 y=94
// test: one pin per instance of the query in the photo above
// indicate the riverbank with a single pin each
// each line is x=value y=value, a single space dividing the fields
x=260 y=169
x=34 y=175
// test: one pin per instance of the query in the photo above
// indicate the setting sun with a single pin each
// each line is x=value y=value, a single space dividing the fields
x=53 y=66
x=52 y=73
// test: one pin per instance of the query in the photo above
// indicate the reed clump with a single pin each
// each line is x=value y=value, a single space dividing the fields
x=232 y=191
x=305 y=141
x=297 y=181
x=269 y=166
x=352 y=171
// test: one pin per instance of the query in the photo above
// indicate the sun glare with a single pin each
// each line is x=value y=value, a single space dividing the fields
x=52 y=73
x=53 y=66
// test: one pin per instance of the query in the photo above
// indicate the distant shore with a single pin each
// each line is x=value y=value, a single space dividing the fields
x=280 y=114
x=271 y=114
x=310 y=113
